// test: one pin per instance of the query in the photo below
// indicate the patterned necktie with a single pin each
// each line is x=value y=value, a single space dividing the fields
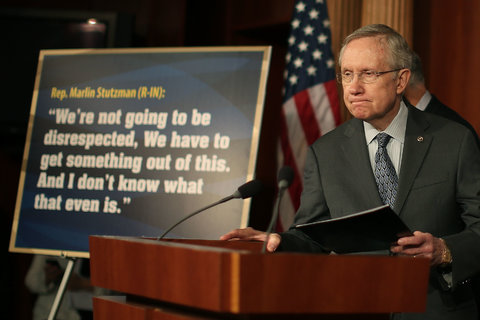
x=385 y=175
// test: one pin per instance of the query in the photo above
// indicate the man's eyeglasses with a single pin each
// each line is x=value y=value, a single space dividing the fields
x=367 y=76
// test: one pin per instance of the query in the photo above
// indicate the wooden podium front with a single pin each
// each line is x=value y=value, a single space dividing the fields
x=206 y=279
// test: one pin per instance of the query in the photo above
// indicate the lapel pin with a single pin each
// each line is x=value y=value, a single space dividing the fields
x=420 y=139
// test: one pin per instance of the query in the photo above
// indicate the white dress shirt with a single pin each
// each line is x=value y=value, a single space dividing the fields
x=396 y=129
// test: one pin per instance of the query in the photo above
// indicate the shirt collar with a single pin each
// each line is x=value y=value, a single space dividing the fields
x=396 y=129
x=424 y=101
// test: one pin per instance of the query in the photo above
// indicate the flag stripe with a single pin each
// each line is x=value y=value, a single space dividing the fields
x=332 y=93
x=308 y=119
x=325 y=118
x=289 y=159
x=310 y=106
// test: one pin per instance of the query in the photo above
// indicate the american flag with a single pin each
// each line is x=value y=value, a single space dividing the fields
x=310 y=106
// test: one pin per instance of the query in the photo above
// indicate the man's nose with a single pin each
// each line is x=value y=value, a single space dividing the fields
x=356 y=85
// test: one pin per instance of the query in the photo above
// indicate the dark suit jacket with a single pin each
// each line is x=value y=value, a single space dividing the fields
x=439 y=193
x=435 y=106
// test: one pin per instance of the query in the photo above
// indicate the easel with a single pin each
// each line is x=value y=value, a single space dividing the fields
x=62 y=288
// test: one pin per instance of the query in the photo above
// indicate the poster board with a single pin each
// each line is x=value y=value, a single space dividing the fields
x=128 y=141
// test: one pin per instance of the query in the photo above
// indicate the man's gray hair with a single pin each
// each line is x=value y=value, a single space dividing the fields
x=416 y=75
x=400 y=54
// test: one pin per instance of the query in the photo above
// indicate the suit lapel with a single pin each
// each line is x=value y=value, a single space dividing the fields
x=417 y=142
x=356 y=151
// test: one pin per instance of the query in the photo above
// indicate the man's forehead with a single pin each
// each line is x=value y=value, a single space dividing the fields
x=364 y=54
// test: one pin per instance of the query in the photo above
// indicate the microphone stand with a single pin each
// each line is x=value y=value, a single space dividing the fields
x=246 y=190
x=196 y=212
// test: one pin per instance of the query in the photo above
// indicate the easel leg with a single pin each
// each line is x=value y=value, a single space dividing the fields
x=61 y=289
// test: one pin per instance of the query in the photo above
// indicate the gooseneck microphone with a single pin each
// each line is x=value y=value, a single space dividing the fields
x=285 y=178
x=246 y=190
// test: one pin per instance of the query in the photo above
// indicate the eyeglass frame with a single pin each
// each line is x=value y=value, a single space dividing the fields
x=339 y=76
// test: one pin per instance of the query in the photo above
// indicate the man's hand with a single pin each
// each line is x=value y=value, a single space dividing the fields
x=252 y=234
x=421 y=244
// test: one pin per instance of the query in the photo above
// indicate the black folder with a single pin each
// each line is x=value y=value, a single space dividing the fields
x=371 y=230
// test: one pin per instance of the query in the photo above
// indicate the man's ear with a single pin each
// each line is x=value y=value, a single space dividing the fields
x=402 y=80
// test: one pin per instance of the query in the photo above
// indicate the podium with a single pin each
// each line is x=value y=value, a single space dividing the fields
x=207 y=279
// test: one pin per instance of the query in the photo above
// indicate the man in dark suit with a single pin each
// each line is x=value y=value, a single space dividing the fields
x=433 y=164
x=417 y=95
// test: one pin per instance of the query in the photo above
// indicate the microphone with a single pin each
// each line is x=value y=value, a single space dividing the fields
x=285 y=178
x=246 y=190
